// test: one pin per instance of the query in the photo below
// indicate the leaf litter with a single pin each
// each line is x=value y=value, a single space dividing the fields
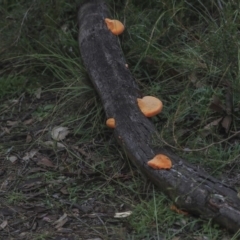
x=44 y=183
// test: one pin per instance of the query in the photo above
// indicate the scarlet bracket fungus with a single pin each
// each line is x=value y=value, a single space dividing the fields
x=111 y=123
x=115 y=26
x=177 y=210
x=150 y=106
x=160 y=161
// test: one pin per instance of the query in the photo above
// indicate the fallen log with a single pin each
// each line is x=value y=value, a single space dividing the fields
x=189 y=187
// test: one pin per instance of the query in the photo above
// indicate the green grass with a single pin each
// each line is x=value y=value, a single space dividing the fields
x=154 y=218
x=185 y=53
x=15 y=197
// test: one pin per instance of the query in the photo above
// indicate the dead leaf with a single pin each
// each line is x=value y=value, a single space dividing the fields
x=3 y=224
x=28 y=138
x=213 y=123
x=226 y=123
x=65 y=28
x=45 y=162
x=52 y=144
x=59 y=133
x=192 y=77
x=23 y=234
x=208 y=128
x=216 y=104
x=75 y=212
x=122 y=214
x=38 y=93
x=12 y=123
x=29 y=121
x=4 y=185
x=64 y=190
x=61 y=221
x=12 y=158
x=30 y=154
x=47 y=219
x=199 y=84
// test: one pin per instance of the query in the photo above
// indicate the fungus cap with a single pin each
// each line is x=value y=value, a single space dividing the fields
x=150 y=106
x=115 y=26
x=111 y=123
x=177 y=210
x=160 y=161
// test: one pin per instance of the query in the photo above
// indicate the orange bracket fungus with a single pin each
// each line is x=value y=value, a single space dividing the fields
x=111 y=123
x=177 y=210
x=160 y=161
x=150 y=106
x=115 y=26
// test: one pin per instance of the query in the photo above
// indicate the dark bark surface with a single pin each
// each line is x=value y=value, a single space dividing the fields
x=189 y=187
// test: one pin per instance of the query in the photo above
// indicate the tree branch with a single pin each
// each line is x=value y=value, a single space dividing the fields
x=188 y=186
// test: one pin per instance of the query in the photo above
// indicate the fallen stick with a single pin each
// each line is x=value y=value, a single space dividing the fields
x=189 y=187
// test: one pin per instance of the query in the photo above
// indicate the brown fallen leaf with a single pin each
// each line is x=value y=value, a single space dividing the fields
x=3 y=224
x=38 y=93
x=59 y=133
x=45 y=162
x=226 y=123
x=4 y=185
x=122 y=214
x=12 y=123
x=12 y=158
x=61 y=221
x=213 y=123
x=207 y=129
x=64 y=190
x=29 y=155
x=28 y=138
x=52 y=144
x=192 y=77
x=28 y=121
x=216 y=104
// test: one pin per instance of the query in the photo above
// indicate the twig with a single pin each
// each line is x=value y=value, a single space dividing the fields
x=201 y=149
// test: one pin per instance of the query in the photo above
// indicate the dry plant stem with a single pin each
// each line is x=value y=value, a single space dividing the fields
x=204 y=148
x=190 y=188
x=23 y=20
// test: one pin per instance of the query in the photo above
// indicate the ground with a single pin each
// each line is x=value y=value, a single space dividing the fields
x=62 y=174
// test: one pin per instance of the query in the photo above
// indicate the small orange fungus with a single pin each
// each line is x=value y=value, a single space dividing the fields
x=115 y=26
x=150 y=106
x=111 y=123
x=175 y=209
x=160 y=161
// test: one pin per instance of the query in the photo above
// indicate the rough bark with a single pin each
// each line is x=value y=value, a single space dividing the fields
x=189 y=187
